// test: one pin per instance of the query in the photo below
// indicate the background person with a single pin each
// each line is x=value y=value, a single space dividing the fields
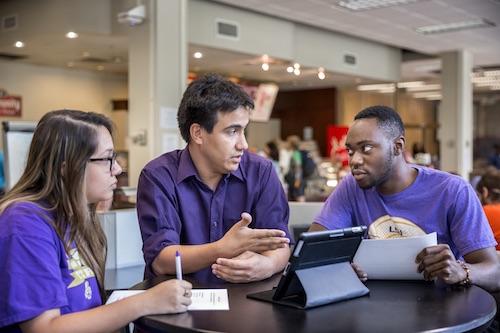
x=221 y=207
x=394 y=198
x=294 y=177
x=488 y=188
x=494 y=159
x=52 y=245
x=271 y=151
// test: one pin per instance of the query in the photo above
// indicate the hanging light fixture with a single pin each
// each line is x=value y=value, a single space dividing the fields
x=265 y=62
x=296 y=69
x=321 y=73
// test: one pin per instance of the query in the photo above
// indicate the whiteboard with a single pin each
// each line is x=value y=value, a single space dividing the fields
x=17 y=137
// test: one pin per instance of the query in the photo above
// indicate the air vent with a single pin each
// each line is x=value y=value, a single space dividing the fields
x=227 y=29
x=350 y=59
x=9 y=22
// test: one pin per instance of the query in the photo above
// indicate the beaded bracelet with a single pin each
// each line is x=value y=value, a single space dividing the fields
x=467 y=272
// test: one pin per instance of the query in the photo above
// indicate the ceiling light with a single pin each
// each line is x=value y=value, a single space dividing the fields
x=369 y=87
x=198 y=55
x=387 y=90
x=296 y=71
x=360 y=5
x=321 y=73
x=426 y=87
x=410 y=84
x=489 y=78
x=289 y=69
x=265 y=66
x=71 y=35
x=19 y=44
x=441 y=28
x=428 y=95
x=492 y=73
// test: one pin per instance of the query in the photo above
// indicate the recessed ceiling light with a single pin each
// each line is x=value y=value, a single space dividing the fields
x=198 y=55
x=71 y=35
x=19 y=44
x=360 y=5
x=455 y=26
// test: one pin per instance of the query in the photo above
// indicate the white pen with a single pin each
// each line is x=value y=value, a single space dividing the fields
x=178 y=265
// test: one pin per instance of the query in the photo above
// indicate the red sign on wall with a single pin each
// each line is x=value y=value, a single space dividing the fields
x=10 y=106
x=335 y=144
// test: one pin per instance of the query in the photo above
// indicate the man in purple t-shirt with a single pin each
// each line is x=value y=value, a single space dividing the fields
x=222 y=208
x=395 y=199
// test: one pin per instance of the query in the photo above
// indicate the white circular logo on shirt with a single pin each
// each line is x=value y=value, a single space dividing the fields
x=393 y=227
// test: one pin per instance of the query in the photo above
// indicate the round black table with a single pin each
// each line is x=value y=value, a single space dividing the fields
x=391 y=306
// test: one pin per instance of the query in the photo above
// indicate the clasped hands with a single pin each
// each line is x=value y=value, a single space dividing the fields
x=251 y=257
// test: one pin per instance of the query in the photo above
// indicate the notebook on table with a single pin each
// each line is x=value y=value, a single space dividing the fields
x=319 y=270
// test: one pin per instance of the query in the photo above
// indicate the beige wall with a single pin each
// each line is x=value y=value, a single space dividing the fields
x=418 y=115
x=47 y=88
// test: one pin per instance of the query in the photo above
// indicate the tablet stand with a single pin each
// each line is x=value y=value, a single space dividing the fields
x=328 y=284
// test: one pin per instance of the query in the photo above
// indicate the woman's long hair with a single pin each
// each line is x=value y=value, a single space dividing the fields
x=55 y=172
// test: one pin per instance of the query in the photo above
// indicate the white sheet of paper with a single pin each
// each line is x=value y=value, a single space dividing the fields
x=201 y=299
x=209 y=299
x=394 y=258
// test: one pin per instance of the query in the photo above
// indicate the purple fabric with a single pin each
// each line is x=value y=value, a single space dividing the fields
x=436 y=202
x=175 y=207
x=34 y=273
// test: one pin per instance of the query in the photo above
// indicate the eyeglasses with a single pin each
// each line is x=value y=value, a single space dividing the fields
x=111 y=160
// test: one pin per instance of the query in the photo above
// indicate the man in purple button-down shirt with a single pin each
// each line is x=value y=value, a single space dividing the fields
x=223 y=208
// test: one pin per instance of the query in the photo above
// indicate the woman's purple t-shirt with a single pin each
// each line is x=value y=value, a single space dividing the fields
x=36 y=274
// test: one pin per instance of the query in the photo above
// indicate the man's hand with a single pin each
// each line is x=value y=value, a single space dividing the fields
x=247 y=267
x=241 y=238
x=439 y=262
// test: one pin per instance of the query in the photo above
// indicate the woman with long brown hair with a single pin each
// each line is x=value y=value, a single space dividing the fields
x=52 y=245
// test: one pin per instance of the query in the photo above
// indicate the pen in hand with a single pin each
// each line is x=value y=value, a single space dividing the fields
x=178 y=265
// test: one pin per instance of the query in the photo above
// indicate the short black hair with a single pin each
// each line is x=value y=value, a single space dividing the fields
x=388 y=119
x=205 y=97
x=491 y=180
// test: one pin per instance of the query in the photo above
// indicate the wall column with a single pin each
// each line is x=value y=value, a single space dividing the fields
x=455 y=113
x=157 y=78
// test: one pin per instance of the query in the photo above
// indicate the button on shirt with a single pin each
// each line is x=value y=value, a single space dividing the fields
x=175 y=207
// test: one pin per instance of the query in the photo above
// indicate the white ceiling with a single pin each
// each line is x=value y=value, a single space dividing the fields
x=394 y=26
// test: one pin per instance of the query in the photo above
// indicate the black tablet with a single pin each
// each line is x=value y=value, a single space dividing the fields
x=313 y=249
